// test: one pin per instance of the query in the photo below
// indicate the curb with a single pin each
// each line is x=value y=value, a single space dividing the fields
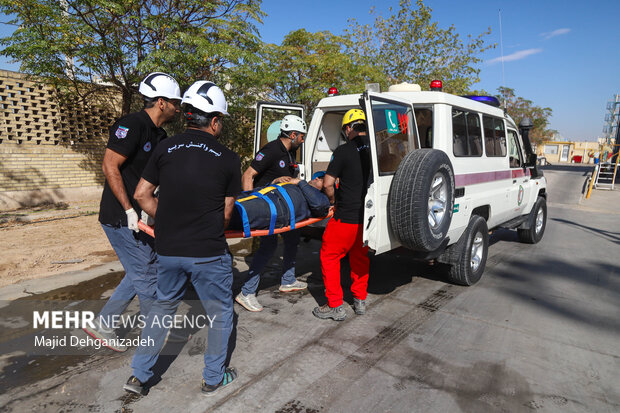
x=27 y=288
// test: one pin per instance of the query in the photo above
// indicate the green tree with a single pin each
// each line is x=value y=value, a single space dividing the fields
x=519 y=108
x=409 y=47
x=306 y=65
x=299 y=70
x=75 y=44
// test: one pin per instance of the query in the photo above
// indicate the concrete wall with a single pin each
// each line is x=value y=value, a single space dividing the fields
x=50 y=151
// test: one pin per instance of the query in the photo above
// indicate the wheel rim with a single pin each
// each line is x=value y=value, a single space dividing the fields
x=477 y=248
x=540 y=219
x=437 y=201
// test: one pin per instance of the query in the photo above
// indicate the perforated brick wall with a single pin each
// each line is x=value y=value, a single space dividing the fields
x=48 y=145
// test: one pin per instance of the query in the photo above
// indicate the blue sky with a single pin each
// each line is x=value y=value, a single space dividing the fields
x=560 y=54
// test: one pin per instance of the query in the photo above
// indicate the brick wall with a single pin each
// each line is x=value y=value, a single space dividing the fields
x=48 y=146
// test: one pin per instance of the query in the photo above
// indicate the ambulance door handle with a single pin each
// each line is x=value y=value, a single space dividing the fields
x=369 y=221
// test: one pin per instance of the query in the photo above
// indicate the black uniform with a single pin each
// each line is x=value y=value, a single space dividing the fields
x=134 y=136
x=273 y=161
x=351 y=163
x=195 y=173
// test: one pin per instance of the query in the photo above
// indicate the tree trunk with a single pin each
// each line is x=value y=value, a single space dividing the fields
x=126 y=101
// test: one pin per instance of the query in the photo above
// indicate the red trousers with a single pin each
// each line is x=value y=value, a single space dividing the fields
x=338 y=240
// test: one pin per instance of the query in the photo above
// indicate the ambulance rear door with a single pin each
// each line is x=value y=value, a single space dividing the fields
x=267 y=129
x=393 y=134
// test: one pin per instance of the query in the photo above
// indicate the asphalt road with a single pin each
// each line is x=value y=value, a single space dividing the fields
x=539 y=332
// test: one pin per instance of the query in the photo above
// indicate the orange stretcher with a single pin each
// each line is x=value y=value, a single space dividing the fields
x=255 y=233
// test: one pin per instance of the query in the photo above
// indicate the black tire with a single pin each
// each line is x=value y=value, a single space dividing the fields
x=467 y=262
x=409 y=199
x=536 y=229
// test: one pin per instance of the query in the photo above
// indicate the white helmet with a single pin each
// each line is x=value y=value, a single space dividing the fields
x=159 y=84
x=293 y=123
x=207 y=97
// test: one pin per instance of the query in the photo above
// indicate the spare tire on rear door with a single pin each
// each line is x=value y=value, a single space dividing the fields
x=421 y=199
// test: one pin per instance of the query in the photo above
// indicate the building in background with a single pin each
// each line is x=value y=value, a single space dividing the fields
x=50 y=150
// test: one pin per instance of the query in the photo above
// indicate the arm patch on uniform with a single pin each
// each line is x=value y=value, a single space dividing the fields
x=121 y=132
x=259 y=156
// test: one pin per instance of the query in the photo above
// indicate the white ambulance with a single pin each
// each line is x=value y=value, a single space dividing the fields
x=446 y=169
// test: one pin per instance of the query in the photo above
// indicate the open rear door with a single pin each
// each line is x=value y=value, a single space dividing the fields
x=268 y=117
x=393 y=134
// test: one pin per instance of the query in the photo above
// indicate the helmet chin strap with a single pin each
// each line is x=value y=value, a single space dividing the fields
x=289 y=136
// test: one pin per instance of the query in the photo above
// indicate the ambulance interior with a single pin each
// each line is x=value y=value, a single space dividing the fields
x=329 y=138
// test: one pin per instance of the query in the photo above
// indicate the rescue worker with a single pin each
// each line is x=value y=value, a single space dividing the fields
x=199 y=179
x=350 y=164
x=132 y=141
x=275 y=159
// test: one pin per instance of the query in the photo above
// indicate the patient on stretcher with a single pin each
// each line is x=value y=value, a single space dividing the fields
x=283 y=203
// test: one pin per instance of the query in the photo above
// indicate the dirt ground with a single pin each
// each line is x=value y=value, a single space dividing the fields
x=51 y=239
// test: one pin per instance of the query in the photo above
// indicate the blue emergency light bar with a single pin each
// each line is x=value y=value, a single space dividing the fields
x=489 y=100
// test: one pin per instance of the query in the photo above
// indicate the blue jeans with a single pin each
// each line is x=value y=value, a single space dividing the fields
x=138 y=260
x=268 y=245
x=212 y=278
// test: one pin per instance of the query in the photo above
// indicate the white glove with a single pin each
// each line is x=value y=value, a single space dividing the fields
x=146 y=218
x=132 y=219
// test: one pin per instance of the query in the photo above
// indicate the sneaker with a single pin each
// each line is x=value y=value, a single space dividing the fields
x=359 y=306
x=134 y=385
x=249 y=302
x=325 y=312
x=229 y=375
x=296 y=286
x=106 y=336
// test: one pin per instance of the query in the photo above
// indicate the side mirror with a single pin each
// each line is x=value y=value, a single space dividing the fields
x=531 y=159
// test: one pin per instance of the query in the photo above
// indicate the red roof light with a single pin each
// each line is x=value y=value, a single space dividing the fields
x=436 y=85
x=332 y=91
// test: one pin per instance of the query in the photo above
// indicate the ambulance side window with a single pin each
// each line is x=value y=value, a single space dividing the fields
x=494 y=136
x=424 y=120
x=466 y=133
x=514 y=152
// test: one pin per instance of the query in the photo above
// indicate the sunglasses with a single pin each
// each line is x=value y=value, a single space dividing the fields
x=175 y=102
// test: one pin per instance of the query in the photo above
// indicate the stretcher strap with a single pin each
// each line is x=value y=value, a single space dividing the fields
x=263 y=191
x=244 y=218
x=272 y=208
x=289 y=202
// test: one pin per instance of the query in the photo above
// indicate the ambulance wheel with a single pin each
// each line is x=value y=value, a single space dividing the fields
x=421 y=199
x=469 y=254
x=537 y=222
